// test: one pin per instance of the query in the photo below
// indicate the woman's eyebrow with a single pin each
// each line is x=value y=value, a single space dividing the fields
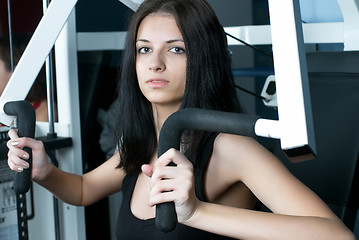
x=142 y=40
x=168 y=41
x=174 y=40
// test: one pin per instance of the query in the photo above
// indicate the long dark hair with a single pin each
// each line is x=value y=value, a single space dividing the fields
x=209 y=81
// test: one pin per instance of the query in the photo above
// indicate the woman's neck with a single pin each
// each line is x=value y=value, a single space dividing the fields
x=161 y=113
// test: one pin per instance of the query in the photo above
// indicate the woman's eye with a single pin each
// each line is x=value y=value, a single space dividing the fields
x=177 y=50
x=143 y=50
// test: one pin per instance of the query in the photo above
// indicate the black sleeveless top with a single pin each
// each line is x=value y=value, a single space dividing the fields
x=130 y=227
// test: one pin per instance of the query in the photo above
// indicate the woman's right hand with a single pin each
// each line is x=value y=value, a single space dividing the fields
x=16 y=156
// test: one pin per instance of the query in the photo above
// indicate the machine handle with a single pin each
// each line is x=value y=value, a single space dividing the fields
x=25 y=114
x=203 y=120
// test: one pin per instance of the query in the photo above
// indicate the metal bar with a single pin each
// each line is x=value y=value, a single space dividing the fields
x=332 y=32
x=293 y=96
x=10 y=35
x=50 y=94
x=73 y=224
x=51 y=118
x=50 y=84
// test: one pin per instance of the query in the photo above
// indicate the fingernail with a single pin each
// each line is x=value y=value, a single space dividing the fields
x=25 y=156
x=20 y=169
x=14 y=143
x=26 y=165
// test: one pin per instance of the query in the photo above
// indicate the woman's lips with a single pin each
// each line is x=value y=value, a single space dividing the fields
x=157 y=83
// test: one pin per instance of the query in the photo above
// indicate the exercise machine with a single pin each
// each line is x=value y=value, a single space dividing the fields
x=59 y=17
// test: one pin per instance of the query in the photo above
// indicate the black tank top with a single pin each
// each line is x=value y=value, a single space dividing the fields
x=130 y=227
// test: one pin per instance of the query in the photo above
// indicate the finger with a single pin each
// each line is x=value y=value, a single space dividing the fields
x=15 y=167
x=147 y=170
x=172 y=155
x=24 y=142
x=178 y=196
x=168 y=196
x=13 y=134
x=166 y=158
x=13 y=146
x=180 y=174
x=164 y=172
x=171 y=182
x=163 y=185
x=16 y=164
x=170 y=172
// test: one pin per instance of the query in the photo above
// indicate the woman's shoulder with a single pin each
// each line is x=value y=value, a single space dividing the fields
x=226 y=144
x=239 y=154
x=232 y=138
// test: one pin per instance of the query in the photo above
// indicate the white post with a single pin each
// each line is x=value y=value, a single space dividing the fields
x=73 y=218
x=294 y=108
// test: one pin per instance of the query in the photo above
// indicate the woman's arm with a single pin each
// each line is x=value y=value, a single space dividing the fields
x=84 y=190
x=74 y=189
x=249 y=224
x=298 y=213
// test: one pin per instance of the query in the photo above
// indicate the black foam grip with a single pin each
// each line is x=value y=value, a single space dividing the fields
x=196 y=119
x=25 y=114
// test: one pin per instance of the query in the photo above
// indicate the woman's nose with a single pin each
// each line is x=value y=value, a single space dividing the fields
x=157 y=63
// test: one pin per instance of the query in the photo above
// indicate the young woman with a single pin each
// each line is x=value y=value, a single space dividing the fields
x=176 y=57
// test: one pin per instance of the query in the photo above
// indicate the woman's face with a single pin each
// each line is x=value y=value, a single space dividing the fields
x=4 y=76
x=161 y=60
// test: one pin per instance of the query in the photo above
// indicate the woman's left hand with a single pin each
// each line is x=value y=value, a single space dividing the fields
x=173 y=184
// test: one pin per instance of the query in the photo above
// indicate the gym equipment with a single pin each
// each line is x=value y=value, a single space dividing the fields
x=204 y=120
x=59 y=12
x=26 y=128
